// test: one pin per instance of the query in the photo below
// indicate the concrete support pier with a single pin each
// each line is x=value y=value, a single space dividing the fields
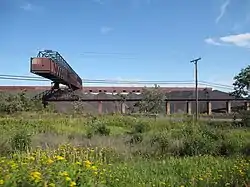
x=168 y=108
x=229 y=107
x=247 y=105
x=209 y=108
x=100 y=107
x=123 y=108
x=189 y=108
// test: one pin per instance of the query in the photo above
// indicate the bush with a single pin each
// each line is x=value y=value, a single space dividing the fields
x=21 y=141
x=97 y=128
x=246 y=150
x=5 y=149
x=245 y=116
x=136 y=138
x=102 y=129
x=190 y=140
x=10 y=103
x=140 y=127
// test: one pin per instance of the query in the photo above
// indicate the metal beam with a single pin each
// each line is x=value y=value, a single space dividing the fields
x=169 y=100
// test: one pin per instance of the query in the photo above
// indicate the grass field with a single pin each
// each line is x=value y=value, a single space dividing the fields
x=72 y=150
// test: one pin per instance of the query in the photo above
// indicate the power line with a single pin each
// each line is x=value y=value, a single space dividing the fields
x=21 y=76
x=124 y=81
x=22 y=79
x=93 y=81
x=100 y=53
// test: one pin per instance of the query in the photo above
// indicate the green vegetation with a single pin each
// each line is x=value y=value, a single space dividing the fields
x=152 y=101
x=242 y=83
x=20 y=102
x=49 y=149
x=39 y=147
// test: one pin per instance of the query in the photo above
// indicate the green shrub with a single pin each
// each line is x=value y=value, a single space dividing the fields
x=245 y=116
x=12 y=103
x=102 y=129
x=21 y=141
x=5 y=149
x=97 y=127
x=136 y=138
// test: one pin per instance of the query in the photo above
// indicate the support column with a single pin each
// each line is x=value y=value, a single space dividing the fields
x=168 y=108
x=247 y=105
x=228 y=103
x=189 y=108
x=209 y=108
x=100 y=107
x=123 y=108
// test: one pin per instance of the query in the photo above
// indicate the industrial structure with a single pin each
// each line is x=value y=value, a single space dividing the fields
x=51 y=65
x=104 y=89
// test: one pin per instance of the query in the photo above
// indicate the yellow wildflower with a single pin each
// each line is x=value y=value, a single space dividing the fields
x=50 y=161
x=87 y=163
x=13 y=166
x=31 y=158
x=94 y=168
x=68 y=179
x=64 y=173
x=241 y=172
x=59 y=158
x=36 y=176
x=72 y=184
x=1 y=182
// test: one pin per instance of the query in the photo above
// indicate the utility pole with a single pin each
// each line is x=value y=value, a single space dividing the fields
x=195 y=61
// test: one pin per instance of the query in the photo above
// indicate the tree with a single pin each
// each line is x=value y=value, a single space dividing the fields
x=242 y=83
x=152 y=100
x=10 y=103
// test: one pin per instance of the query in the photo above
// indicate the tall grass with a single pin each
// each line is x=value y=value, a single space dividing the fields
x=123 y=151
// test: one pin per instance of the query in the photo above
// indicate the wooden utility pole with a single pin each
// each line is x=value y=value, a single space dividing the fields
x=195 y=61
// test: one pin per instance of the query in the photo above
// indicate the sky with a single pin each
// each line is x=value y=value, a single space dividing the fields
x=128 y=39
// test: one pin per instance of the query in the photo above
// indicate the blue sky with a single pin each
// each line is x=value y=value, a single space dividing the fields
x=156 y=39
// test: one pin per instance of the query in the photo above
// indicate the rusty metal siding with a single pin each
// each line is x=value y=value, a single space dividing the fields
x=40 y=65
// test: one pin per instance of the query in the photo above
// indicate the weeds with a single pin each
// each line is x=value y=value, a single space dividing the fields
x=120 y=151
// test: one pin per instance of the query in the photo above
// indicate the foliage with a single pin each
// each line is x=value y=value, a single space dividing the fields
x=78 y=107
x=113 y=157
x=245 y=118
x=21 y=141
x=12 y=103
x=77 y=166
x=242 y=83
x=98 y=128
x=152 y=100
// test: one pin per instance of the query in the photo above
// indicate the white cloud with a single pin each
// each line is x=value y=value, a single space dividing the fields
x=212 y=41
x=31 y=7
x=106 y=30
x=27 y=7
x=223 y=10
x=240 y=40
